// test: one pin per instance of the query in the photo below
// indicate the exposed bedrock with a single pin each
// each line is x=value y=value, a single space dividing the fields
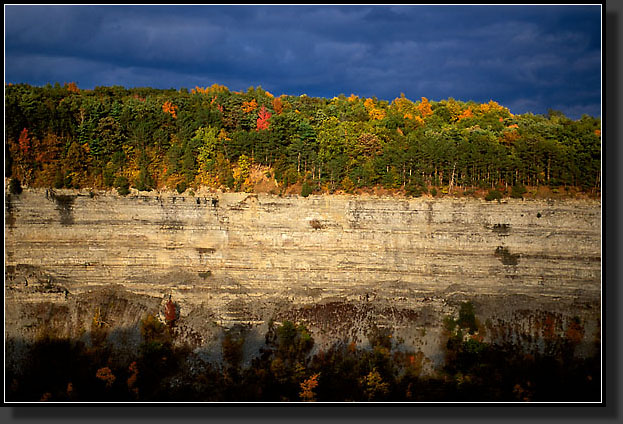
x=340 y=264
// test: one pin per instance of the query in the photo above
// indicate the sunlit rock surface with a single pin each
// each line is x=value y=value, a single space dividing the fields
x=339 y=264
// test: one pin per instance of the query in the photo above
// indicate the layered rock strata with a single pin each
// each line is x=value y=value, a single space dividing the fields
x=340 y=264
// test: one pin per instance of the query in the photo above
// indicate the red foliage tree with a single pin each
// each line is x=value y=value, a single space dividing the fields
x=170 y=313
x=262 y=119
x=24 y=141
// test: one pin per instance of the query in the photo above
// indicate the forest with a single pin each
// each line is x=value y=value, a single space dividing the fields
x=62 y=136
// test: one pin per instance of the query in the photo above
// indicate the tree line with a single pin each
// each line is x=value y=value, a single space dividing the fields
x=146 y=138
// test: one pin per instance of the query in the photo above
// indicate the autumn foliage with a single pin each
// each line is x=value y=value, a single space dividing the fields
x=24 y=142
x=170 y=312
x=213 y=89
x=132 y=379
x=171 y=109
x=249 y=106
x=277 y=105
x=263 y=117
x=467 y=113
x=287 y=369
x=307 y=388
x=105 y=374
x=64 y=137
x=375 y=112
x=72 y=87
x=425 y=108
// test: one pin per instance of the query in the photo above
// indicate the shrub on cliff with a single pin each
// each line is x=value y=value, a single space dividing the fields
x=467 y=317
x=415 y=187
x=293 y=341
x=15 y=187
x=306 y=189
x=493 y=195
x=181 y=187
x=123 y=186
x=145 y=181
x=413 y=190
x=59 y=179
x=170 y=313
x=232 y=347
x=518 y=191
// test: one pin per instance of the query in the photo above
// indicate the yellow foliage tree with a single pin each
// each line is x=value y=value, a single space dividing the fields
x=492 y=106
x=213 y=89
x=249 y=106
x=374 y=112
x=374 y=386
x=222 y=135
x=242 y=173
x=454 y=108
x=402 y=104
x=425 y=108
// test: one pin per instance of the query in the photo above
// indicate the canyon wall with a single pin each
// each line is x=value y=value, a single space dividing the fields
x=339 y=264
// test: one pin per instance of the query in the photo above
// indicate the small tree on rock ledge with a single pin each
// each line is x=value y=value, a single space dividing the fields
x=170 y=313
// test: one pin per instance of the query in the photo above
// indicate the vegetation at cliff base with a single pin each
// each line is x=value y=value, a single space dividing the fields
x=64 y=136
x=288 y=369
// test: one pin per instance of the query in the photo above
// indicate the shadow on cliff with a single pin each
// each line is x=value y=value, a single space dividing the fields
x=100 y=367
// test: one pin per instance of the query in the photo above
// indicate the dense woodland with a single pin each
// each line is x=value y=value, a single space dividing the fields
x=113 y=137
x=285 y=369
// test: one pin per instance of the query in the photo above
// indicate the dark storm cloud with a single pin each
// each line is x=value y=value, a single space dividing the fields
x=527 y=58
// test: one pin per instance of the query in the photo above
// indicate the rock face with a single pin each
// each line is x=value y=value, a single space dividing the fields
x=337 y=263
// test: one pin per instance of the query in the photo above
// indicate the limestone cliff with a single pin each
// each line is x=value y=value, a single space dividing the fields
x=337 y=263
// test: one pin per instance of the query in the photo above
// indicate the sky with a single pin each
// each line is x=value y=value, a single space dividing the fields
x=527 y=58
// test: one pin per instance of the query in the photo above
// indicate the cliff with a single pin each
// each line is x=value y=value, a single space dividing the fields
x=340 y=264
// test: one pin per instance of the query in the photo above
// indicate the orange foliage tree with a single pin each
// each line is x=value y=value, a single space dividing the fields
x=72 y=87
x=492 y=106
x=170 y=108
x=374 y=112
x=277 y=105
x=467 y=113
x=133 y=369
x=307 y=388
x=425 y=108
x=249 y=106
x=22 y=151
x=105 y=374
x=510 y=135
